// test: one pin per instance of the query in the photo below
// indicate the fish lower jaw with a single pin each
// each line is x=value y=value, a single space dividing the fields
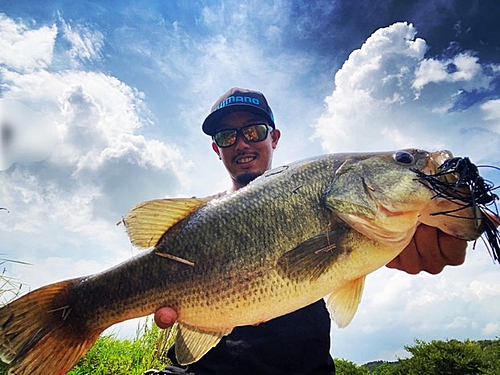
x=463 y=224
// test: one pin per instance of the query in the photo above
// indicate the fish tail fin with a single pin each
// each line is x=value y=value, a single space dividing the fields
x=38 y=335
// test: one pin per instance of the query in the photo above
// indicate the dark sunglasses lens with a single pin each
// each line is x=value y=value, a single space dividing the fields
x=225 y=138
x=255 y=133
x=251 y=133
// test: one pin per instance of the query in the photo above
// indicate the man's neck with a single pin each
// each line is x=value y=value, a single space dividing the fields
x=236 y=186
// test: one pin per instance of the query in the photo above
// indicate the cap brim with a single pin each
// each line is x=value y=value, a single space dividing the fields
x=210 y=123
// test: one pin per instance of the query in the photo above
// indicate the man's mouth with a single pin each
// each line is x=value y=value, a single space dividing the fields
x=244 y=159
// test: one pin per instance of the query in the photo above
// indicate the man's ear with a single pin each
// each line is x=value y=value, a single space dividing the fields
x=275 y=136
x=216 y=149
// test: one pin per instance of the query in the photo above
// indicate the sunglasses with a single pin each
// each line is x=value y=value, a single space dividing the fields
x=251 y=133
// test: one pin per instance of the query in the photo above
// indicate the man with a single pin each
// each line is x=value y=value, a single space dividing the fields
x=244 y=136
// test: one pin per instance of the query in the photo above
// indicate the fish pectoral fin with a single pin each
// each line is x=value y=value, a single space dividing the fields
x=310 y=259
x=147 y=222
x=191 y=343
x=342 y=304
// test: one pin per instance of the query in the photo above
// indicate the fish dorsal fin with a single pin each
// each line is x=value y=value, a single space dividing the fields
x=310 y=259
x=148 y=221
x=343 y=303
x=191 y=343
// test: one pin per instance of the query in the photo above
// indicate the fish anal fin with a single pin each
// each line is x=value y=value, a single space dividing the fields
x=148 y=221
x=310 y=259
x=343 y=303
x=192 y=343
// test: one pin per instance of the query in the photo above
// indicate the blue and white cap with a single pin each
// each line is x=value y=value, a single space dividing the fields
x=238 y=99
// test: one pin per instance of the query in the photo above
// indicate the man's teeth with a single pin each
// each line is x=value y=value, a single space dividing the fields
x=245 y=159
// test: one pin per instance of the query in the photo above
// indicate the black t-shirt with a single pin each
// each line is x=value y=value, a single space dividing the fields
x=296 y=343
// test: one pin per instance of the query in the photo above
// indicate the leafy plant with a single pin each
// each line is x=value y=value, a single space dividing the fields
x=344 y=367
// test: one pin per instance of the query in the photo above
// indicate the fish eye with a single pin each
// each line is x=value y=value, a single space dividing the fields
x=404 y=157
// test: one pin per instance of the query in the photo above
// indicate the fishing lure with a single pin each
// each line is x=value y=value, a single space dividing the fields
x=467 y=189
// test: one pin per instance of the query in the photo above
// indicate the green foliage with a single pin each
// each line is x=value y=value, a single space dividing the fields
x=444 y=357
x=344 y=367
x=387 y=368
x=112 y=356
x=450 y=357
x=371 y=366
x=491 y=355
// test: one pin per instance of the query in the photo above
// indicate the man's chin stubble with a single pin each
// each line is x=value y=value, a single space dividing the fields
x=244 y=179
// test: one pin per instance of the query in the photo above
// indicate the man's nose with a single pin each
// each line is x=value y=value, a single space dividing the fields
x=241 y=143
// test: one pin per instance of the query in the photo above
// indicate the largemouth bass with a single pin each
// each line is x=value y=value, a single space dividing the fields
x=298 y=233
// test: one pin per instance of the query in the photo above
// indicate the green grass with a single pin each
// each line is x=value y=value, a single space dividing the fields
x=112 y=356
x=109 y=355
x=9 y=288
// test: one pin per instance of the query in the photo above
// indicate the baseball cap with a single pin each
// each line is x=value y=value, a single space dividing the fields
x=238 y=99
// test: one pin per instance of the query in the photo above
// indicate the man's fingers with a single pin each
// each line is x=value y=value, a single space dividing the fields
x=430 y=250
x=427 y=244
x=395 y=263
x=408 y=261
x=452 y=248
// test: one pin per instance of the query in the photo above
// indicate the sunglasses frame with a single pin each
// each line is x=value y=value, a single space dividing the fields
x=239 y=132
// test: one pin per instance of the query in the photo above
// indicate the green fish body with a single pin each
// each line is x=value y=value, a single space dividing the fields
x=298 y=233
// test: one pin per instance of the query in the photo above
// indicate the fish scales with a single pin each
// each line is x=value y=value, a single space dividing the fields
x=220 y=240
x=124 y=289
x=296 y=234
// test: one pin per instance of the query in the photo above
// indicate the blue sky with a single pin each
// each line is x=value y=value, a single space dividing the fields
x=108 y=97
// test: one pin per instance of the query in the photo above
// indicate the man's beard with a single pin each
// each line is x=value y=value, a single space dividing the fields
x=245 y=179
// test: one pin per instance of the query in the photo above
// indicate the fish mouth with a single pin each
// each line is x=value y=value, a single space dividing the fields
x=436 y=160
x=461 y=194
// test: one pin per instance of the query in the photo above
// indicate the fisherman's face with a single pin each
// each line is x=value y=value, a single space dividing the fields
x=244 y=160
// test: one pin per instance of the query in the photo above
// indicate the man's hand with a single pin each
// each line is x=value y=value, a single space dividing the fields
x=430 y=250
x=165 y=317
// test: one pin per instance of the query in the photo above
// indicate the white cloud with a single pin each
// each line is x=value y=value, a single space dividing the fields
x=388 y=96
x=492 y=328
x=86 y=44
x=466 y=68
x=63 y=209
x=24 y=48
x=491 y=114
x=397 y=307
x=97 y=117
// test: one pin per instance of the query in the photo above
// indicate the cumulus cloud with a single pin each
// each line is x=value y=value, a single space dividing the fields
x=388 y=96
x=462 y=67
x=24 y=48
x=98 y=164
x=96 y=118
